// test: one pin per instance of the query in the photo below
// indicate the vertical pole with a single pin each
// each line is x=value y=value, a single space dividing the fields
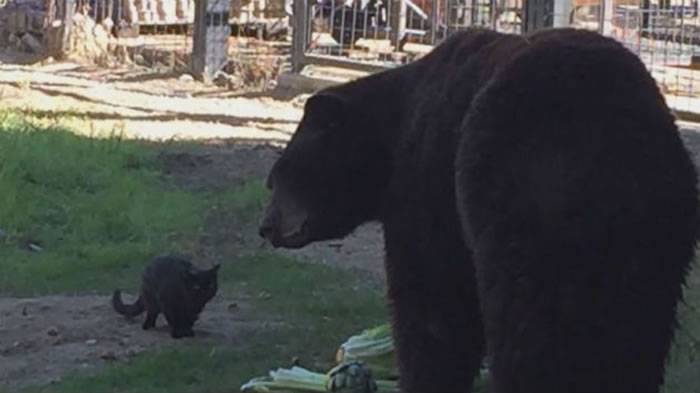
x=199 y=40
x=606 y=14
x=299 y=34
x=398 y=22
x=562 y=12
x=67 y=16
x=434 y=21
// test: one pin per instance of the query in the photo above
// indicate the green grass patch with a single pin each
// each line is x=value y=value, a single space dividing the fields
x=95 y=207
x=246 y=201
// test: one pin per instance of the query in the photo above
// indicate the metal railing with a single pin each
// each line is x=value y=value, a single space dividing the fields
x=379 y=34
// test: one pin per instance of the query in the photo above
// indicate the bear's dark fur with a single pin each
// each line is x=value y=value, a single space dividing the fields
x=578 y=205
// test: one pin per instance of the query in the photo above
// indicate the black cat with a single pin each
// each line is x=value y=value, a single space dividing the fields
x=176 y=288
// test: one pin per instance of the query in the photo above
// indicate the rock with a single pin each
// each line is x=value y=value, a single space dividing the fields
x=186 y=78
x=32 y=44
x=91 y=342
x=108 y=355
x=233 y=307
x=133 y=351
x=300 y=100
x=52 y=331
x=13 y=40
x=138 y=59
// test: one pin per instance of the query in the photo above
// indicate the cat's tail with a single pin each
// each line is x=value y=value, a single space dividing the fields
x=130 y=310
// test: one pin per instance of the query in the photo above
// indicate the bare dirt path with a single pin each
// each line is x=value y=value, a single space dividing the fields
x=44 y=338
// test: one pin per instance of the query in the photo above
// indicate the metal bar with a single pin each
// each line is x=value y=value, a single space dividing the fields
x=606 y=14
x=434 y=24
x=335 y=61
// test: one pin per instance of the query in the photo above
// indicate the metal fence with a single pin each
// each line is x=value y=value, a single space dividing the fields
x=382 y=33
x=377 y=34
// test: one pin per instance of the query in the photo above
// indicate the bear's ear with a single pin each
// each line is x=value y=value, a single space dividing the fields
x=327 y=110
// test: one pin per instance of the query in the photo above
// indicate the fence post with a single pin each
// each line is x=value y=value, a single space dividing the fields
x=210 y=38
x=58 y=27
x=300 y=27
x=199 y=39
x=562 y=13
x=434 y=22
x=606 y=14
x=398 y=22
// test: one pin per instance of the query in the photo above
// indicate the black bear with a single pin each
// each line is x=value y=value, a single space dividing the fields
x=537 y=203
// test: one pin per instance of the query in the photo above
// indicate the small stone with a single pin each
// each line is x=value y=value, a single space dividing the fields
x=108 y=355
x=91 y=341
x=32 y=43
x=186 y=78
x=139 y=59
x=52 y=331
x=133 y=351
x=264 y=295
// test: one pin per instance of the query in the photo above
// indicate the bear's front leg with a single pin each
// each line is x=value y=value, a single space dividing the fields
x=436 y=319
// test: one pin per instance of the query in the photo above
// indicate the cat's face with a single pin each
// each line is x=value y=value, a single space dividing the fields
x=202 y=284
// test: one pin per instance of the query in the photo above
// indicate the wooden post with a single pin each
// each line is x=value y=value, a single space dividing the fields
x=398 y=22
x=300 y=37
x=606 y=14
x=57 y=32
x=199 y=40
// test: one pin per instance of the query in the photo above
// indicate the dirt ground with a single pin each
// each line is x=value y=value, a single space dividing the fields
x=43 y=338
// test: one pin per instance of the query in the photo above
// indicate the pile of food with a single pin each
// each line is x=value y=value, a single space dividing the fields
x=365 y=365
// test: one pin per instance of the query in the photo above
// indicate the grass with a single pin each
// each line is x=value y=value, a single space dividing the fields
x=683 y=373
x=96 y=207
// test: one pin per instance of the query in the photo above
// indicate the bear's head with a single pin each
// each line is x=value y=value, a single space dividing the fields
x=331 y=177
